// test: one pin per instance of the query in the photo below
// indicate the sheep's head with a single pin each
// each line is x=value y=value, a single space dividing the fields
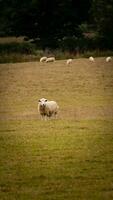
x=42 y=102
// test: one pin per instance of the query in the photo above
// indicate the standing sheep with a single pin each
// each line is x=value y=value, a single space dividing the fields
x=43 y=59
x=47 y=108
x=50 y=59
x=69 y=61
x=108 y=59
x=91 y=59
x=41 y=107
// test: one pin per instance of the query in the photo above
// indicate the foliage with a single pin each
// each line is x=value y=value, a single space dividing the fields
x=22 y=48
x=47 y=22
x=102 y=12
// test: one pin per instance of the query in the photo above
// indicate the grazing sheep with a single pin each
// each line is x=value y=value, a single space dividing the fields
x=69 y=61
x=108 y=59
x=91 y=59
x=47 y=108
x=50 y=59
x=43 y=59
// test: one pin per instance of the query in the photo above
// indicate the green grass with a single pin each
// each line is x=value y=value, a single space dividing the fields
x=73 y=160
x=70 y=158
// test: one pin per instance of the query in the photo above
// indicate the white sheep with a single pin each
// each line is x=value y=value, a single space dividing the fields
x=50 y=59
x=43 y=59
x=108 y=59
x=47 y=108
x=91 y=59
x=69 y=61
x=41 y=107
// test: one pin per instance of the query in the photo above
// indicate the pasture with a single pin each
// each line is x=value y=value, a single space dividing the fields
x=69 y=158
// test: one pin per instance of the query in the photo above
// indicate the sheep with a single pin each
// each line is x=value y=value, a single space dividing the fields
x=41 y=107
x=47 y=108
x=69 y=61
x=43 y=59
x=51 y=108
x=108 y=59
x=50 y=59
x=91 y=59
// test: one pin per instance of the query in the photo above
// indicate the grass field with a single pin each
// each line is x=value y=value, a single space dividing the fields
x=4 y=40
x=70 y=158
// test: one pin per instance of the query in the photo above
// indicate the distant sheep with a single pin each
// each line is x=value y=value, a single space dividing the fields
x=108 y=59
x=69 y=61
x=50 y=59
x=47 y=108
x=91 y=59
x=43 y=59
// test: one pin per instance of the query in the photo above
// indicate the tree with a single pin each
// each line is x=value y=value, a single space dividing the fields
x=46 y=20
x=102 y=11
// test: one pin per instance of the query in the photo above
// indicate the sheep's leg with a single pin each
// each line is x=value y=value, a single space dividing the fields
x=55 y=115
x=43 y=117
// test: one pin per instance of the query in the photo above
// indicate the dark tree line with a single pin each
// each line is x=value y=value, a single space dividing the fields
x=60 y=23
